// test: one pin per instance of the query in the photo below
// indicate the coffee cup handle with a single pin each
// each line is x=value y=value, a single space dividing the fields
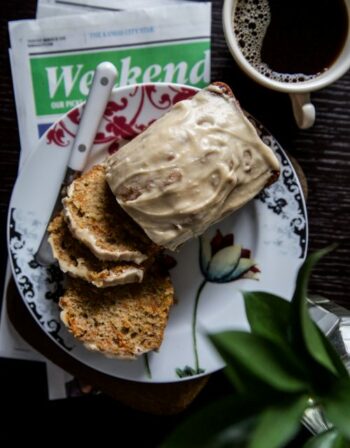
x=303 y=110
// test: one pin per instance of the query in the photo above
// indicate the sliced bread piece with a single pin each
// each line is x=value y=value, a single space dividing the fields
x=95 y=219
x=121 y=322
x=76 y=259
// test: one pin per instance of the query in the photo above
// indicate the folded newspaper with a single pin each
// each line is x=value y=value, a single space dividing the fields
x=53 y=61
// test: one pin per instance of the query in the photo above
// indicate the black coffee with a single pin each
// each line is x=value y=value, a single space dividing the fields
x=291 y=40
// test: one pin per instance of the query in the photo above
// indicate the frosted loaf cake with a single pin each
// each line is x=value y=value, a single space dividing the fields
x=192 y=167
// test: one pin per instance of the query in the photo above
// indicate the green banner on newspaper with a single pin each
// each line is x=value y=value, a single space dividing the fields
x=61 y=81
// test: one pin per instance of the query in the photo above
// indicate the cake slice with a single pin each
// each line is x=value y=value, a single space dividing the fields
x=76 y=259
x=192 y=167
x=122 y=322
x=95 y=219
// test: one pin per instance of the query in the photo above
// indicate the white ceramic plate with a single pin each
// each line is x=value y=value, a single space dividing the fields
x=272 y=231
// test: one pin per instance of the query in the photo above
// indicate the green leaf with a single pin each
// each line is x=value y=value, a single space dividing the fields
x=237 y=435
x=221 y=424
x=278 y=424
x=336 y=405
x=305 y=271
x=333 y=354
x=245 y=381
x=305 y=331
x=263 y=359
x=268 y=315
x=327 y=439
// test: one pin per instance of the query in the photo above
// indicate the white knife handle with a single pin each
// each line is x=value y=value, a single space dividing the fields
x=100 y=90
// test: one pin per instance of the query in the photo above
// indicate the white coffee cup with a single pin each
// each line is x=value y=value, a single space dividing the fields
x=299 y=93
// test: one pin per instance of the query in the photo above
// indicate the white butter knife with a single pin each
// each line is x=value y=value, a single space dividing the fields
x=102 y=85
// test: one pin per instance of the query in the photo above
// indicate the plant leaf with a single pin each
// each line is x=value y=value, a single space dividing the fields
x=245 y=382
x=217 y=425
x=336 y=405
x=333 y=354
x=327 y=439
x=305 y=332
x=278 y=424
x=263 y=359
x=268 y=315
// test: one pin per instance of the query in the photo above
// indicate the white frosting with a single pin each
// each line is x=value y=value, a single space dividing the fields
x=190 y=168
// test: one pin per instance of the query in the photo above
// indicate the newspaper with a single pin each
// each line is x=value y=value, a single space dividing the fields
x=178 y=37
x=55 y=57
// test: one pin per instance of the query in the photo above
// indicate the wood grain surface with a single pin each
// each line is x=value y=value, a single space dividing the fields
x=323 y=152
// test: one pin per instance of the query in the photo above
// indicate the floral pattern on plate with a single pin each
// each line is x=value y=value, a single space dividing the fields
x=221 y=261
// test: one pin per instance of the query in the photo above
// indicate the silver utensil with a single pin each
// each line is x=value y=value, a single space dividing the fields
x=102 y=85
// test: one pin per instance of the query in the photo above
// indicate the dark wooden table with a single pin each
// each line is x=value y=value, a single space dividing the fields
x=324 y=154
